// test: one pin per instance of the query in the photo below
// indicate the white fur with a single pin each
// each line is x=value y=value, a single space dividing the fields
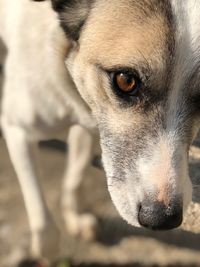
x=40 y=101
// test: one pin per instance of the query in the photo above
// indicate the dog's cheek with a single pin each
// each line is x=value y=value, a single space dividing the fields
x=88 y=82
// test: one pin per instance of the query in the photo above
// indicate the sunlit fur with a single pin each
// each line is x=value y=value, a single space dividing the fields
x=145 y=142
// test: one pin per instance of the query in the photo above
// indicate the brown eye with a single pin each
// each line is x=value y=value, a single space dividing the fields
x=126 y=83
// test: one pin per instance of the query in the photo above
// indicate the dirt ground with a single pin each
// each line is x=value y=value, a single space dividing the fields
x=118 y=244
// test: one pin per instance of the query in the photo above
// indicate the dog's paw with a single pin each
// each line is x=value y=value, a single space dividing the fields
x=84 y=226
x=45 y=242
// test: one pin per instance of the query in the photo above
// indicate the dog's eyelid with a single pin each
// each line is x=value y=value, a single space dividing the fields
x=122 y=70
x=137 y=71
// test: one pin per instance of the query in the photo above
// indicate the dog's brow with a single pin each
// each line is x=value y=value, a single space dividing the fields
x=143 y=70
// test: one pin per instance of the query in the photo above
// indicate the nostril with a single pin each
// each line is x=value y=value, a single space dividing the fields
x=157 y=216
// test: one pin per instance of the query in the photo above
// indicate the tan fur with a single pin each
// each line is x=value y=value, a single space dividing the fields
x=130 y=43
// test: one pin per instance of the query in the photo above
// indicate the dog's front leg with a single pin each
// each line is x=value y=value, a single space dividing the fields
x=80 y=143
x=44 y=232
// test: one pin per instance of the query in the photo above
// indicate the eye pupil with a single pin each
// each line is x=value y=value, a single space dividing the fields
x=126 y=83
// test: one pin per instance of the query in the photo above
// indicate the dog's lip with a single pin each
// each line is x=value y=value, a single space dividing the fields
x=133 y=220
x=134 y=223
x=130 y=218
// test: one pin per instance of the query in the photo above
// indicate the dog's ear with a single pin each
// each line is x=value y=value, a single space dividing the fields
x=59 y=5
x=72 y=15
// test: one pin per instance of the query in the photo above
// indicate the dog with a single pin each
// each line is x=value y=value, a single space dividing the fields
x=129 y=68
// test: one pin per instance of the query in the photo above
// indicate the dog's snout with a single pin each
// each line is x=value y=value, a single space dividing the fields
x=157 y=216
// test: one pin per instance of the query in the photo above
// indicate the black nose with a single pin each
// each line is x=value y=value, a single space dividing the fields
x=157 y=216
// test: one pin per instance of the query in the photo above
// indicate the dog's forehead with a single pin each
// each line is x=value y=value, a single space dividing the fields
x=122 y=32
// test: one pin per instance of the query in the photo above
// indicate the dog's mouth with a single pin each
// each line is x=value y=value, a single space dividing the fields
x=148 y=210
x=153 y=215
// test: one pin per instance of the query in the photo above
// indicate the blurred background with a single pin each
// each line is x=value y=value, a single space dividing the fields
x=117 y=244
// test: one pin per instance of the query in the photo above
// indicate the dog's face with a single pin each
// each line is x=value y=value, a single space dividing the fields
x=134 y=64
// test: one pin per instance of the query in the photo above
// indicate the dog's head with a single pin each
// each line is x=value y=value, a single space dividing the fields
x=135 y=63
